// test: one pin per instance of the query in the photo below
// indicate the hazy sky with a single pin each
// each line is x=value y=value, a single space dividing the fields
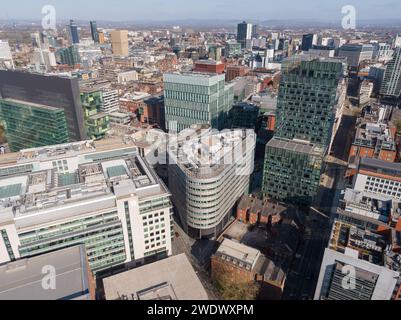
x=131 y=10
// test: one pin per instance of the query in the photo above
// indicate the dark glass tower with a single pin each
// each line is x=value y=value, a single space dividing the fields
x=74 y=32
x=94 y=32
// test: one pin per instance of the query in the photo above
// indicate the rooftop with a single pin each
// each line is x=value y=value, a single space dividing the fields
x=294 y=145
x=22 y=279
x=169 y=279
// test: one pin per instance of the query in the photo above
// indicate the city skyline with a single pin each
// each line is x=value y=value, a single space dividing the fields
x=158 y=10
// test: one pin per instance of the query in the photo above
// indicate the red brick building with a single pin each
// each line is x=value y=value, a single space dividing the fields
x=233 y=72
x=209 y=66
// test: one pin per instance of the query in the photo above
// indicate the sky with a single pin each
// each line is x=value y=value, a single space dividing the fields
x=161 y=10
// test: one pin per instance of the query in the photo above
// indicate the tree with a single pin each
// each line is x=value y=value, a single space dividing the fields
x=231 y=287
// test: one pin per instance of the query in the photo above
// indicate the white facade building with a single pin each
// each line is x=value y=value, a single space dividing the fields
x=106 y=197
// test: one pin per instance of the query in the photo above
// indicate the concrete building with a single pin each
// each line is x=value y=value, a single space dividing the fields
x=6 y=58
x=197 y=98
x=378 y=177
x=102 y=195
x=365 y=92
x=111 y=101
x=168 y=279
x=23 y=279
x=119 y=42
x=356 y=267
x=208 y=173
x=356 y=53
x=391 y=85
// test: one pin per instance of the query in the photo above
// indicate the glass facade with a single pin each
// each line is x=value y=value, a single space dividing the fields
x=32 y=125
x=197 y=99
x=102 y=235
x=304 y=121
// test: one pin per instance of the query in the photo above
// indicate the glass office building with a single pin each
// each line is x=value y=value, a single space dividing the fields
x=197 y=98
x=307 y=101
x=30 y=125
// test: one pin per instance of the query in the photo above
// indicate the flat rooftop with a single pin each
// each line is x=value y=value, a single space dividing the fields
x=298 y=146
x=22 y=279
x=238 y=251
x=169 y=279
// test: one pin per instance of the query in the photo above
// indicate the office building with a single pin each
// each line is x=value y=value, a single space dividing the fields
x=23 y=279
x=30 y=125
x=167 y=279
x=356 y=53
x=74 y=36
x=48 y=90
x=292 y=170
x=69 y=56
x=244 y=33
x=111 y=101
x=6 y=57
x=119 y=42
x=308 y=41
x=307 y=101
x=391 y=85
x=94 y=32
x=308 y=98
x=102 y=195
x=358 y=265
x=232 y=49
x=208 y=173
x=244 y=115
x=197 y=98
x=97 y=123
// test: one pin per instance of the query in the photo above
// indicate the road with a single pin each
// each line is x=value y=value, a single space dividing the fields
x=302 y=279
x=198 y=253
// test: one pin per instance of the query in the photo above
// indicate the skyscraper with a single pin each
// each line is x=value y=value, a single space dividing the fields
x=94 y=32
x=74 y=32
x=306 y=105
x=308 y=41
x=244 y=32
x=197 y=98
x=391 y=85
x=119 y=42
x=69 y=55
x=48 y=90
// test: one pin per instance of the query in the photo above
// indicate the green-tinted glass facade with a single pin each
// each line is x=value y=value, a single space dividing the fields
x=102 y=235
x=32 y=125
x=304 y=120
x=292 y=171
x=97 y=123
x=197 y=99
x=69 y=56
x=307 y=100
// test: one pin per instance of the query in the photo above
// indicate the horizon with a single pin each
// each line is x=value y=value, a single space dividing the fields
x=221 y=10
